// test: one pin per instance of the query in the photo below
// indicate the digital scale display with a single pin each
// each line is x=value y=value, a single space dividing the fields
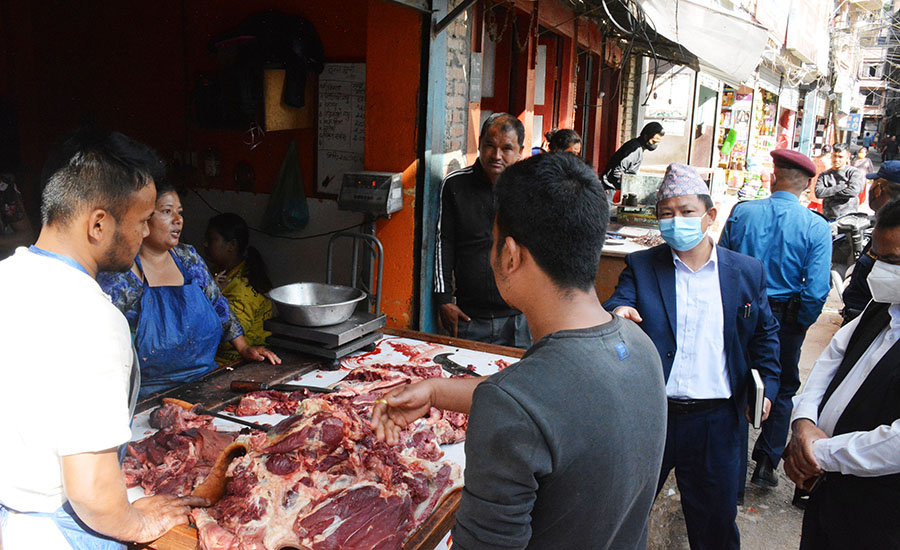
x=379 y=193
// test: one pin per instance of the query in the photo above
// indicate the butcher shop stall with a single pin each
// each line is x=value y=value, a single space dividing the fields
x=287 y=454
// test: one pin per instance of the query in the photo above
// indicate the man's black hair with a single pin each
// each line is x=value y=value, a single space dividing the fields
x=563 y=139
x=554 y=206
x=95 y=168
x=839 y=148
x=792 y=178
x=651 y=129
x=888 y=216
x=507 y=122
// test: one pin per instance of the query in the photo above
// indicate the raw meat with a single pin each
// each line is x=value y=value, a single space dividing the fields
x=395 y=351
x=179 y=456
x=358 y=391
x=321 y=481
x=177 y=419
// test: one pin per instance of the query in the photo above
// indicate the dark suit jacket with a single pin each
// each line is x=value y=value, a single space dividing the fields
x=648 y=285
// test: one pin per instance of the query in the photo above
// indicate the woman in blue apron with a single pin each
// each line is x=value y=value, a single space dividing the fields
x=173 y=305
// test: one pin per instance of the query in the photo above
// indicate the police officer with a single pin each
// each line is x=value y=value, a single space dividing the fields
x=794 y=243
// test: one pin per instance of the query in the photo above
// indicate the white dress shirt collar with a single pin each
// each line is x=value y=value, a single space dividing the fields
x=713 y=258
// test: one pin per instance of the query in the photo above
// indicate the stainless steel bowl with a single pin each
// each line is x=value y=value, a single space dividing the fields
x=316 y=304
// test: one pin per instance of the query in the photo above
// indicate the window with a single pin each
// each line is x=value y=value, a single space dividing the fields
x=871 y=71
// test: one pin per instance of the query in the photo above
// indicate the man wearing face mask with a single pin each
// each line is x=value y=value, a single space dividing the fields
x=794 y=244
x=839 y=188
x=628 y=159
x=706 y=309
x=885 y=188
x=845 y=445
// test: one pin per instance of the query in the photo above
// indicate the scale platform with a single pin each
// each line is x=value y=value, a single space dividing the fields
x=330 y=342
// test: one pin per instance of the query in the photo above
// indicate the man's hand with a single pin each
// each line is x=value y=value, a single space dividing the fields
x=96 y=490
x=767 y=407
x=628 y=312
x=160 y=513
x=803 y=433
x=449 y=315
x=398 y=408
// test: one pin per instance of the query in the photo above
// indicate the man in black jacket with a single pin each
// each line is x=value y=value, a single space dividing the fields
x=845 y=447
x=628 y=159
x=463 y=242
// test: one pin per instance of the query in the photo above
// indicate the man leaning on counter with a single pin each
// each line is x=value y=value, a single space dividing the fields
x=68 y=361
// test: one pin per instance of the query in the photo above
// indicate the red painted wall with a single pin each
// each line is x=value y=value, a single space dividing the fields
x=131 y=66
x=342 y=29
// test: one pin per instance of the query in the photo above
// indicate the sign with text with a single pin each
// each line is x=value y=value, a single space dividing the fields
x=341 y=123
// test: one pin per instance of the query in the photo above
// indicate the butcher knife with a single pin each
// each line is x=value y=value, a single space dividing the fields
x=451 y=366
x=248 y=386
x=197 y=409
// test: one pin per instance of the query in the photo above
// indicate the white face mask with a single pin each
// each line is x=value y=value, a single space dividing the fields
x=884 y=282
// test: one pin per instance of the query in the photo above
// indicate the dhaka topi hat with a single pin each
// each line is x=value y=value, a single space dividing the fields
x=681 y=179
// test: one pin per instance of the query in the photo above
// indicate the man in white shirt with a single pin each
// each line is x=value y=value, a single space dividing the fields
x=845 y=445
x=67 y=365
x=705 y=308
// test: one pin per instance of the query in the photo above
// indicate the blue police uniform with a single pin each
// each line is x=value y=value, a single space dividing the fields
x=794 y=244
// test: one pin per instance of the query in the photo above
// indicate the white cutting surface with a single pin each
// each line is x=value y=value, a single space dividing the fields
x=390 y=350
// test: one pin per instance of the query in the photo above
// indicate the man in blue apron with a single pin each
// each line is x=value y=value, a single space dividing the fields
x=67 y=378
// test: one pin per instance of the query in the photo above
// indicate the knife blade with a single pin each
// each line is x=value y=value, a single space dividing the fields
x=248 y=386
x=451 y=366
x=197 y=409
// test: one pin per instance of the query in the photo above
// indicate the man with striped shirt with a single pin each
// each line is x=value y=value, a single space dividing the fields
x=469 y=304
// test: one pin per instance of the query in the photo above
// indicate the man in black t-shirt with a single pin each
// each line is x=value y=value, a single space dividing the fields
x=563 y=448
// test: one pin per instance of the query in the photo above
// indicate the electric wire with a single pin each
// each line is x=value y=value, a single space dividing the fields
x=274 y=235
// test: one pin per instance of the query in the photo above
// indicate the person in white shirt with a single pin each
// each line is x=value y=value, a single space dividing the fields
x=845 y=443
x=68 y=362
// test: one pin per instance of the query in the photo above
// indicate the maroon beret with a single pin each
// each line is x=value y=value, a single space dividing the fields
x=785 y=158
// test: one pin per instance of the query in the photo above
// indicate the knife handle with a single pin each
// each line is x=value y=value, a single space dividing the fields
x=247 y=386
x=183 y=404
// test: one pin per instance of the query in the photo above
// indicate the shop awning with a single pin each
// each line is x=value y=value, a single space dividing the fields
x=728 y=46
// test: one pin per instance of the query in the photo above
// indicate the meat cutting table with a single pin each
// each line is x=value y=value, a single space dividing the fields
x=214 y=393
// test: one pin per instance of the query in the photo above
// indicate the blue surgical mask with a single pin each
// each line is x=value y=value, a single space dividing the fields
x=682 y=233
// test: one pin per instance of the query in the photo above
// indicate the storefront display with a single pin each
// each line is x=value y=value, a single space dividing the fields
x=763 y=132
x=735 y=115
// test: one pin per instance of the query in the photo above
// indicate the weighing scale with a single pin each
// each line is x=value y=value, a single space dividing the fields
x=374 y=194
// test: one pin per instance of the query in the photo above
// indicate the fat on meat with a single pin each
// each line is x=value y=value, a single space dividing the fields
x=179 y=456
x=359 y=390
x=321 y=481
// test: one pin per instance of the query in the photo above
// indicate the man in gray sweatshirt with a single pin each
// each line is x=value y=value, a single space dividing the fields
x=839 y=188
x=563 y=448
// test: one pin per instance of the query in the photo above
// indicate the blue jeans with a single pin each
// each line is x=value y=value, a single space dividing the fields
x=75 y=531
